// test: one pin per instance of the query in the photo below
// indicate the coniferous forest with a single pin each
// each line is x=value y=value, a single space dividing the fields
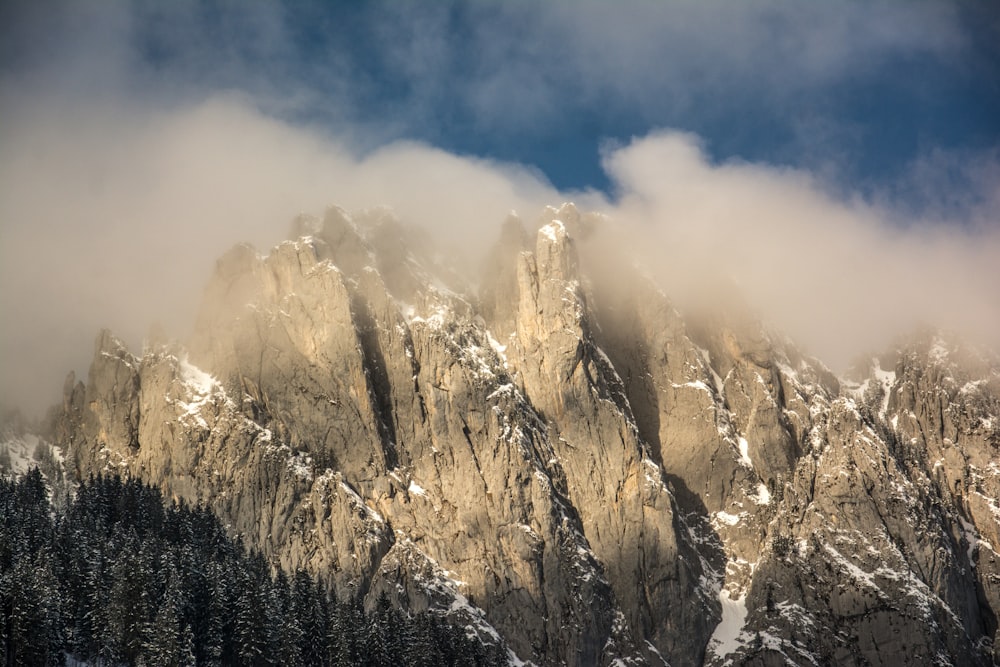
x=114 y=575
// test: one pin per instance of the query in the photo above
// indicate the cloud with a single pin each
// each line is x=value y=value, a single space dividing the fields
x=114 y=218
x=136 y=148
x=422 y=70
x=842 y=276
x=525 y=65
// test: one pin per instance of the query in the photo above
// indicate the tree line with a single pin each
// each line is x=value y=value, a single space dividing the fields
x=114 y=575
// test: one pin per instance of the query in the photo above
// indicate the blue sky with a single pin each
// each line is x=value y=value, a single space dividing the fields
x=839 y=160
x=859 y=92
x=862 y=93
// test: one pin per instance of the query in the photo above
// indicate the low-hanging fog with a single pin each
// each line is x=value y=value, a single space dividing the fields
x=114 y=221
x=115 y=205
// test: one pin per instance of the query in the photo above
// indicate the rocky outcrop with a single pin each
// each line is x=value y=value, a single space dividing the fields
x=628 y=513
x=564 y=462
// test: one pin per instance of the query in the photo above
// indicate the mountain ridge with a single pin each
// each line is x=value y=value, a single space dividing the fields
x=563 y=459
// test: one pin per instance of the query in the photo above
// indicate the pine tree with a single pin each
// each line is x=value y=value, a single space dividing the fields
x=420 y=648
x=228 y=586
x=93 y=603
x=162 y=646
x=30 y=601
x=115 y=578
x=186 y=653
x=349 y=624
x=333 y=639
x=287 y=632
x=309 y=610
x=383 y=642
x=127 y=617
x=213 y=602
x=253 y=630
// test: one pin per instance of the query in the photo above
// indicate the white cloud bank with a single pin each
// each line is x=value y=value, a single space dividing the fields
x=842 y=277
x=121 y=182
x=112 y=218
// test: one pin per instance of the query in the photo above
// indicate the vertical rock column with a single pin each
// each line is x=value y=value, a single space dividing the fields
x=626 y=510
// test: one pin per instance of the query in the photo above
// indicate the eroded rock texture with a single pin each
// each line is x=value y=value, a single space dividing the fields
x=563 y=461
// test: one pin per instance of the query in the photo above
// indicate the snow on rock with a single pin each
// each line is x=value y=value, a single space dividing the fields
x=21 y=452
x=697 y=384
x=850 y=568
x=763 y=496
x=198 y=381
x=727 y=518
x=887 y=379
x=727 y=636
x=553 y=231
x=975 y=540
x=446 y=590
x=300 y=465
x=501 y=350
x=200 y=388
x=653 y=474
x=745 y=452
x=652 y=649
x=939 y=350
x=357 y=502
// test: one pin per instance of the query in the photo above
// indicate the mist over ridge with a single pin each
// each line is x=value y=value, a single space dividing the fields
x=133 y=242
x=138 y=144
x=646 y=333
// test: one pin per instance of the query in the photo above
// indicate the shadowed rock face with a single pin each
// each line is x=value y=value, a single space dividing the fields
x=565 y=461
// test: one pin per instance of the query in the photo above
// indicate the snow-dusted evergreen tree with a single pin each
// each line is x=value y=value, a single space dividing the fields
x=348 y=627
x=163 y=637
x=310 y=611
x=255 y=630
x=118 y=578
x=383 y=640
x=284 y=625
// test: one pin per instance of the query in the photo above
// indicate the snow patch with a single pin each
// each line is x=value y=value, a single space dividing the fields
x=763 y=495
x=939 y=350
x=745 y=452
x=652 y=649
x=798 y=614
x=853 y=570
x=198 y=381
x=359 y=503
x=300 y=464
x=442 y=582
x=200 y=387
x=726 y=638
x=971 y=387
x=887 y=379
x=506 y=388
x=697 y=384
x=727 y=518
x=553 y=231
x=972 y=537
x=21 y=451
x=501 y=350
x=652 y=473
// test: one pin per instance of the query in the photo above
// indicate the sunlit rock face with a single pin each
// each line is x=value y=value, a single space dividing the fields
x=558 y=458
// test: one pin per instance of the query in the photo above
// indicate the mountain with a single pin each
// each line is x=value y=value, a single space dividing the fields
x=561 y=461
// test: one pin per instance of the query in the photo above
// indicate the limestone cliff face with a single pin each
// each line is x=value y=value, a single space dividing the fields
x=873 y=537
x=564 y=462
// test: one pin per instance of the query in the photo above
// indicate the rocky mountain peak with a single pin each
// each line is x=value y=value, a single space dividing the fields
x=566 y=462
